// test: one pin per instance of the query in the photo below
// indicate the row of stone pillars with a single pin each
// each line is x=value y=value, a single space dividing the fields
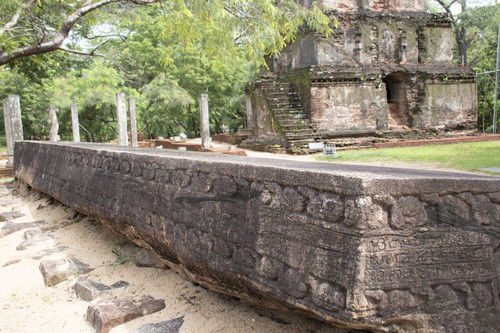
x=14 y=127
x=121 y=110
x=122 y=121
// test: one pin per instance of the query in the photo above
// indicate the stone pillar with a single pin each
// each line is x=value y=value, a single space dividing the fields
x=121 y=111
x=204 y=123
x=249 y=112
x=15 y=118
x=9 y=140
x=54 y=128
x=74 y=122
x=133 y=122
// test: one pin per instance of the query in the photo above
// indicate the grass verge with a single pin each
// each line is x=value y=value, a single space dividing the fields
x=461 y=156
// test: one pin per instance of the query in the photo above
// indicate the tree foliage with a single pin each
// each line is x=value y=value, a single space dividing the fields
x=483 y=23
x=36 y=27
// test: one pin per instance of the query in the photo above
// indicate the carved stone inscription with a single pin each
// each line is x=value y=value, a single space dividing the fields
x=439 y=256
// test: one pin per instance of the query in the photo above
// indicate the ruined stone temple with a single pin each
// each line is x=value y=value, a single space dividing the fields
x=386 y=68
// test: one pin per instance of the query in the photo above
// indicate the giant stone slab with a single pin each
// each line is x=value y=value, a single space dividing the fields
x=370 y=248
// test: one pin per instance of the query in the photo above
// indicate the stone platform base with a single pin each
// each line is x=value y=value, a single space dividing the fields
x=371 y=248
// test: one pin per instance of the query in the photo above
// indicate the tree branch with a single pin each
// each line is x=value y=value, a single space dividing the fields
x=92 y=53
x=15 y=17
x=56 y=42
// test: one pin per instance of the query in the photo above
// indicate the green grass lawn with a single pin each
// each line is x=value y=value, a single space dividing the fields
x=461 y=156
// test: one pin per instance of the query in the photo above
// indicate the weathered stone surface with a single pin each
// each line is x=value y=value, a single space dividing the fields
x=146 y=258
x=89 y=290
x=7 y=216
x=168 y=326
x=57 y=271
x=11 y=227
x=35 y=240
x=408 y=212
x=48 y=252
x=120 y=284
x=106 y=314
x=380 y=249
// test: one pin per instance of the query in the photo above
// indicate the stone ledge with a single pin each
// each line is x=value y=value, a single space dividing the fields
x=370 y=248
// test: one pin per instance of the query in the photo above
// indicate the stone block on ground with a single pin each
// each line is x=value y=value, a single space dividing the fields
x=35 y=240
x=11 y=227
x=168 y=326
x=57 y=271
x=11 y=262
x=48 y=252
x=120 y=284
x=146 y=258
x=89 y=290
x=32 y=233
x=106 y=314
x=7 y=216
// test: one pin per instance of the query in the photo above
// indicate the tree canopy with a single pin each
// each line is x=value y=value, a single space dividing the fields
x=164 y=54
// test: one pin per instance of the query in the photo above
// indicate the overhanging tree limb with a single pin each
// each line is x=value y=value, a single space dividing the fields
x=56 y=42
x=15 y=17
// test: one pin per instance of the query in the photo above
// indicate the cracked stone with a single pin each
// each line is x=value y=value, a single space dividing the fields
x=11 y=227
x=7 y=216
x=106 y=314
x=168 y=326
x=57 y=271
x=146 y=258
x=35 y=240
x=89 y=290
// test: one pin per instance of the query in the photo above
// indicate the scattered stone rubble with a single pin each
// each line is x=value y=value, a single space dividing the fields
x=103 y=313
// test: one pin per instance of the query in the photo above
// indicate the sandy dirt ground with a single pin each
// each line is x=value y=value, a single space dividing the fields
x=27 y=305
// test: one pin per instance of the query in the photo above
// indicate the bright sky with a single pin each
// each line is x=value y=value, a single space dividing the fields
x=470 y=3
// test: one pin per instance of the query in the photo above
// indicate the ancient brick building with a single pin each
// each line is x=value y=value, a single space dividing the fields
x=387 y=67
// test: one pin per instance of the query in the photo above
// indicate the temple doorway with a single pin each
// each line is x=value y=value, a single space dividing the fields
x=397 y=101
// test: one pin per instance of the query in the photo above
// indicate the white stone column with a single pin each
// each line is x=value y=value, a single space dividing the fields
x=249 y=112
x=54 y=124
x=121 y=111
x=133 y=122
x=204 y=123
x=8 y=133
x=74 y=122
x=15 y=118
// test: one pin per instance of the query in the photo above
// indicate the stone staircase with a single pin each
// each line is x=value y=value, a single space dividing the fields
x=288 y=110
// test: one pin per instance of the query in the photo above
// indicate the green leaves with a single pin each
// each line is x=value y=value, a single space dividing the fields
x=166 y=55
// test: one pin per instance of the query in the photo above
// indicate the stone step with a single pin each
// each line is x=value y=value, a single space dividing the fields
x=278 y=89
x=275 y=84
x=300 y=136
x=297 y=127
x=299 y=143
x=282 y=93
x=294 y=122
x=274 y=105
x=283 y=115
x=285 y=100
x=306 y=131
x=290 y=112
